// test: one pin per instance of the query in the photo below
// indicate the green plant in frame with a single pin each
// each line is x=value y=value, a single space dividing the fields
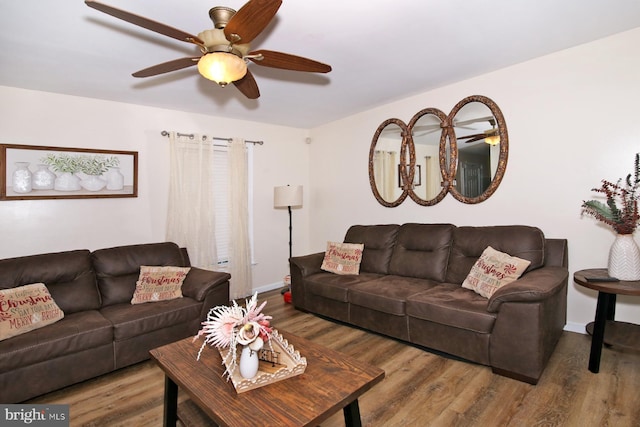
x=98 y=164
x=88 y=164
x=62 y=162
x=620 y=209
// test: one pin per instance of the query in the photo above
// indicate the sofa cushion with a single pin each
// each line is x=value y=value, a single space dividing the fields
x=334 y=286
x=73 y=334
x=342 y=258
x=378 y=243
x=451 y=305
x=69 y=277
x=422 y=251
x=134 y=320
x=387 y=294
x=159 y=284
x=25 y=308
x=517 y=240
x=118 y=268
x=493 y=270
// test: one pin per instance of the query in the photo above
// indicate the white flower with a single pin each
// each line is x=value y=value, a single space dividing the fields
x=248 y=333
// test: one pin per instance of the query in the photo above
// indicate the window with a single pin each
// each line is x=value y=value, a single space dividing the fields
x=221 y=197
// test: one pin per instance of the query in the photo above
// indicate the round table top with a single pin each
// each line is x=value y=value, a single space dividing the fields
x=622 y=287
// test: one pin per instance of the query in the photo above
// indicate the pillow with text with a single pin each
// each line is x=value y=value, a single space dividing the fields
x=343 y=258
x=26 y=308
x=159 y=284
x=493 y=270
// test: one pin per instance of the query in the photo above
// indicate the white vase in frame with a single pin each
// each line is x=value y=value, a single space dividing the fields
x=67 y=181
x=93 y=183
x=43 y=178
x=22 y=178
x=115 y=179
x=624 y=258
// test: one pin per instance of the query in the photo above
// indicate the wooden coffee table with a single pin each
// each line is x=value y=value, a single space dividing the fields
x=331 y=381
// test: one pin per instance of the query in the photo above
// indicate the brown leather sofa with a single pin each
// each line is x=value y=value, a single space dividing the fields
x=409 y=287
x=101 y=330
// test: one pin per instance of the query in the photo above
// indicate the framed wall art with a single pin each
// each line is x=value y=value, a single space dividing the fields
x=39 y=172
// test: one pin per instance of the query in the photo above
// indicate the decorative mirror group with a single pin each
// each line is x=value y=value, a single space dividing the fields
x=464 y=153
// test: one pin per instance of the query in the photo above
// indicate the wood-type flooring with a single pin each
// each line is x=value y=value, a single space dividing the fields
x=420 y=388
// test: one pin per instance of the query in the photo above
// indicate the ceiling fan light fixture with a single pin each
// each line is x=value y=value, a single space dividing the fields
x=492 y=140
x=222 y=67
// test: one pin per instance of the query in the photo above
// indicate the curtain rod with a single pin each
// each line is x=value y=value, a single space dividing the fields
x=204 y=137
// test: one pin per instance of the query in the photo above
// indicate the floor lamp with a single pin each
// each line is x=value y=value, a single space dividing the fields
x=288 y=196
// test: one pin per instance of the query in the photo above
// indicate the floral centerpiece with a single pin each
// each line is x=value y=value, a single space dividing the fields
x=620 y=211
x=230 y=326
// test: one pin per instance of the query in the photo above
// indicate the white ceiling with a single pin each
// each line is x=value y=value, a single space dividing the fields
x=380 y=50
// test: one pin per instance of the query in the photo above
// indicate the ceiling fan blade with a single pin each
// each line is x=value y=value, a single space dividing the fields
x=250 y=20
x=462 y=123
x=475 y=135
x=166 y=67
x=145 y=23
x=476 y=138
x=248 y=86
x=270 y=58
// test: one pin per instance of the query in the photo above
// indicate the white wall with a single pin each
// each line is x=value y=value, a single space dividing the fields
x=572 y=121
x=571 y=118
x=38 y=226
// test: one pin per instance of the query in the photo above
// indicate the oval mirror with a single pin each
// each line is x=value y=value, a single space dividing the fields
x=385 y=155
x=480 y=149
x=426 y=131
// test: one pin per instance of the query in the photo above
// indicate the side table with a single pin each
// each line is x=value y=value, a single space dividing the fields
x=617 y=333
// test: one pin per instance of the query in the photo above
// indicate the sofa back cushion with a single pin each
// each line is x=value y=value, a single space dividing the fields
x=516 y=240
x=69 y=277
x=378 y=241
x=422 y=251
x=118 y=269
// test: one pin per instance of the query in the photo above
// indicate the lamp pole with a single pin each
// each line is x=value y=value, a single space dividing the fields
x=290 y=234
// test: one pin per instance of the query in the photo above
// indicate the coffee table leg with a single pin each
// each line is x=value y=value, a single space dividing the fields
x=602 y=313
x=352 y=414
x=170 y=402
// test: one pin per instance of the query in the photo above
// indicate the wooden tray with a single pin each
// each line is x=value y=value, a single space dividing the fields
x=289 y=364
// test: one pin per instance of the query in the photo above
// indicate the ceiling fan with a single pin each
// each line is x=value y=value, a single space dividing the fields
x=225 y=48
x=490 y=136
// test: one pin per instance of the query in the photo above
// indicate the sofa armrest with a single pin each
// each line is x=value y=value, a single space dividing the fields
x=307 y=264
x=199 y=282
x=536 y=285
x=301 y=267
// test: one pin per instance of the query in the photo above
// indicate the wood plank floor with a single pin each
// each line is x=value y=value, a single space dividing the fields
x=420 y=388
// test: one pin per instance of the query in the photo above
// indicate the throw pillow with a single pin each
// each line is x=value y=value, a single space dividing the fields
x=26 y=308
x=159 y=284
x=343 y=258
x=493 y=270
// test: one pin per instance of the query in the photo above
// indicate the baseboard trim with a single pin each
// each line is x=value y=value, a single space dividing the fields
x=269 y=287
x=579 y=328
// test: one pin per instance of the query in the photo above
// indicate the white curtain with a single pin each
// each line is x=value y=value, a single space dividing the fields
x=385 y=173
x=190 y=217
x=239 y=245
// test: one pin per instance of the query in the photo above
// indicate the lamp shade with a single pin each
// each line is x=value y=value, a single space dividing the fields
x=222 y=67
x=287 y=195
